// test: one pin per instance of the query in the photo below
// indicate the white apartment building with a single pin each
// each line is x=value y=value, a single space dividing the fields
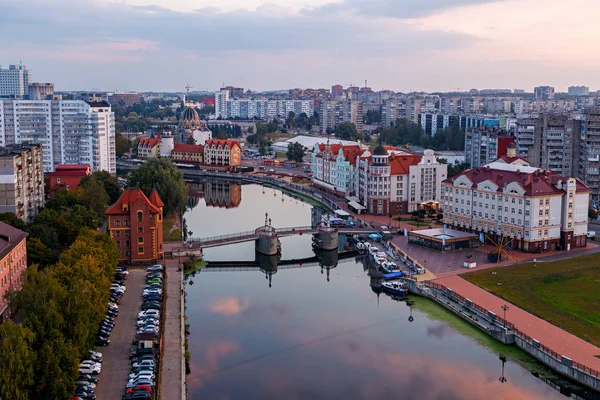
x=221 y=98
x=425 y=182
x=266 y=109
x=537 y=209
x=70 y=131
x=14 y=81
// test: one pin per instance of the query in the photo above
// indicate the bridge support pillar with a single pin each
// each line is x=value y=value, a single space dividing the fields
x=267 y=243
x=328 y=238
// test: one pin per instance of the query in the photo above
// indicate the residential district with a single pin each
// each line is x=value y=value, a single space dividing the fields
x=517 y=171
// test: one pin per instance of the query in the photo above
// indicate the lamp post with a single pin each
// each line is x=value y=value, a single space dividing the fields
x=505 y=309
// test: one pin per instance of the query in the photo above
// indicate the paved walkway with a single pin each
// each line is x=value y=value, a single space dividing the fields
x=172 y=366
x=549 y=335
x=116 y=365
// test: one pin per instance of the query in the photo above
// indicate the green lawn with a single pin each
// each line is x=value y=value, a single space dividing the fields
x=565 y=293
x=171 y=233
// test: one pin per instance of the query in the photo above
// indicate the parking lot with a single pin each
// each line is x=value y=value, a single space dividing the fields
x=116 y=364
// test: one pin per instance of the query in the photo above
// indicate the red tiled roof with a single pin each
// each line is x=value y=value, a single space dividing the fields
x=71 y=170
x=216 y=142
x=400 y=163
x=155 y=199
x=350 y=152
x=10 y=237
x=510 y=160
x=130 y=196
x=541 y=182
x=188 y=148
x=150 y=142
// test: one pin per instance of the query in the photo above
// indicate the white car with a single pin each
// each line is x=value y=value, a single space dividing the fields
x=144 y=363
x=89 y=371
x=155 y=268
x=149 y=312
x=145 y=373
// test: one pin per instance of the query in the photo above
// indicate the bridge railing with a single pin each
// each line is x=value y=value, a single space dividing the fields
x=223 y=237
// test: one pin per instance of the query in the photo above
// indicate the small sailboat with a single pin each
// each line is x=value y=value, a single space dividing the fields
x=398 y=288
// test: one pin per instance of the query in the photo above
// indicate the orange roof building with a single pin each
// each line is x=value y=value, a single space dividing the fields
x=222 y=152
x=188 y=153
x=333 y=167
x=149 y=148
x=135 y=223
x=67 y=176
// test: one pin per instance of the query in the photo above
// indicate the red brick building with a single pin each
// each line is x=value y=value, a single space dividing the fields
x=13 y=262
x=67 y=176
x=135 y=222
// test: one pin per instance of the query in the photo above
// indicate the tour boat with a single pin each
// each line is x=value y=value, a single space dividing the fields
x=389 y=266
x=398 y=288
x=380 y=258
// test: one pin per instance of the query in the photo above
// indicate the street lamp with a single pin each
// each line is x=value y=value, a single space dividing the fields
x=505 y=309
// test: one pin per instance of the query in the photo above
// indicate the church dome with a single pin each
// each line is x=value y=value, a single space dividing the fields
x=380 y=151
x=190 y=119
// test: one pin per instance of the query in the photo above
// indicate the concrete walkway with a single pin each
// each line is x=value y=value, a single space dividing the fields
x=549 y=335
x=172 y=367
x=116 y=365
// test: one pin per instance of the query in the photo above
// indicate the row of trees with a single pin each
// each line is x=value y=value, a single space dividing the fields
x=58 y=225
x=61 y=307
x=404 y=132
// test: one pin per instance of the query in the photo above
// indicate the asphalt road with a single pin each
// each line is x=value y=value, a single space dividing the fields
x=115 y=357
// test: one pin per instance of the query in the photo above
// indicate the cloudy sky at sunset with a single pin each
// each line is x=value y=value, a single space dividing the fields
x=403 y=45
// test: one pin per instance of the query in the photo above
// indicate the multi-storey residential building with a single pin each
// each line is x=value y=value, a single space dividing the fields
x=425 y=182
x=21 y=180
x=70 y=131
x=14 y=81
x=135 y=224
x=13 y=262
x=221 y=98
x=222 y=153
x=149 y=148
x=67 y=177
x=589 y=154
x=333 y=167
x=400 y=192
x=266 y=109
x=40 y=91
x=579 y=91
x=335 y=112
x=389 y=112
x=432 y=122
x=128 y=99
x=188 y=153
x=337 y=91
x=543 y=93
x=538 y=210
x=485 y=145
x=373 y=181
x=528 y=139
x=233 y=91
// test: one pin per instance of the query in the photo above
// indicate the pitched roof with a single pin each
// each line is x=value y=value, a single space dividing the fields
x=350 y=152
x=222 y=142
x=149 y=142
x=188 y=148
x=9 y=238
x=510 y=160
x=130 y=196
x=71 y=170
x=534 y=181
x=400 y=163
x=155 y=198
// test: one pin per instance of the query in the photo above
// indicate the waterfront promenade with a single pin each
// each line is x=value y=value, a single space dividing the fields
x=549 y=335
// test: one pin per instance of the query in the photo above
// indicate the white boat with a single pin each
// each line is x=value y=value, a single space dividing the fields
x=398 y=288
x=360 y=246
x=389 y=266
x=380 y=258
x=373 y=250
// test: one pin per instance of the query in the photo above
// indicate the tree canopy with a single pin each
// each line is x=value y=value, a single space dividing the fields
x=123 y=145
x=161 y=173
x=404 y=132
x=346 y=130
x=295 y=152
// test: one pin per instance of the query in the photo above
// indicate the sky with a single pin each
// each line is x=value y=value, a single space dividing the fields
x=402 y=45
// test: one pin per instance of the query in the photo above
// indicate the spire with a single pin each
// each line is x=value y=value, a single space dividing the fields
x=155 y=198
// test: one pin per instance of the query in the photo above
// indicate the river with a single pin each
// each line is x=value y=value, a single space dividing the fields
x=310 y=337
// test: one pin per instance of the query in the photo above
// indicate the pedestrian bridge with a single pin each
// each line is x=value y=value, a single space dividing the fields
x=249 y=236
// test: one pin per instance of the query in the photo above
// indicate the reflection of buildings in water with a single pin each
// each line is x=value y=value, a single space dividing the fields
x=268 y=265
x=215 y=194
x=327 y=260
x=376 y=277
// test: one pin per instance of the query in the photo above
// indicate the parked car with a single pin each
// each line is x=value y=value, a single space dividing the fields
x=155 y=267
x=87 y=378
x=102 y=341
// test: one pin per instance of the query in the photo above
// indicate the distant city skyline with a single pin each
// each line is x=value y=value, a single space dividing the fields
x=408 y=45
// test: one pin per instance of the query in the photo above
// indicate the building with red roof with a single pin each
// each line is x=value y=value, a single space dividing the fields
x=135 y=223
x=188 y=153
x=149 y=148
x=536 y=209
x=222 y=152
x=67 y=176
x=333 y=167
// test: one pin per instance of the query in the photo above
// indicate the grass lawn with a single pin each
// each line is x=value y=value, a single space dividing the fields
x=171 y=233
x=565 y=293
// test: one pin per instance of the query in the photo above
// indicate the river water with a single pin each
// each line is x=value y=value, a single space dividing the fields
x=309 y=337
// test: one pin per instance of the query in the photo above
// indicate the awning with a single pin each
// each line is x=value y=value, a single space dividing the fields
x=356 y=206
x=342 y=213
x=352 y=198
x=374 y=236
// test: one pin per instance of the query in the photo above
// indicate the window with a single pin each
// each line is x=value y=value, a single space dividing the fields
x=118 y=243
x=140 y=250
x=527 y=203
x=140 y=216
x=127 y=243
x=126 y=222
x=140 y=239
x=140 y=229
x=57 y=180
x=117 y=222
x=118 y=234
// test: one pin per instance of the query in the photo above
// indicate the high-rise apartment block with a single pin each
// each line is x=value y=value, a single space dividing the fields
x=335 y=112
x=266 y=109
x=485 y=145
x=579 y=91
x=221 y=98
x=589 y=152
x=70 y=131
x=543 y=92
x=14 y=81
x=337 y=91
x=40 y=91
x=21 y=180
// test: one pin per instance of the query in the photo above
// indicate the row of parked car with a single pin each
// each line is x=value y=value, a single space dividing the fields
x=145 y=355
x=85 y=386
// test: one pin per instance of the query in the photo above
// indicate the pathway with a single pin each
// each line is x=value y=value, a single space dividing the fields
x=116 y=365
x=172 y=368
x=549 y=335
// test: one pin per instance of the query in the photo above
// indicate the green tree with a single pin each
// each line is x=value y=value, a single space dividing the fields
x=346 y=130
x=272 y=127
x=222 y=135
x=95 y=197
x=190 y=140
x=291 y=119
x=162 y=174
x=39 y=253
x=122 y=144
x=110 y=182
x=12 y=220
x=16 y=361
x=295 y=152
x=262 y=147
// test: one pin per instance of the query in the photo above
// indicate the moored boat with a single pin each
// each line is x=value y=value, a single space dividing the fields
x=398 y=288
x=389 y=266
x=360 y=246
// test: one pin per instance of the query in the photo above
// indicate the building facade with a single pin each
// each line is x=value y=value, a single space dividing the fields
x=21 y=180
x=188 y=153
x=14 y=81
x=40 y=91
x=135 y=223
x=485 y=145
x=128 y=99
x=543 y=92
x=67 y=177
x=425 y=182
x=579 y=91
x=222 y=153
x=538 y=210
x=149 y=148
x=335 y=112
x=333 y=167
x=221 y=98
x=70 y=131
x=373 y=181
x=266 y=109
x=13 y=263
x=589 y=153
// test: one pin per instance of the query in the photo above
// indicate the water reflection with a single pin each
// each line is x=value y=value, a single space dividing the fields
x=216 y=193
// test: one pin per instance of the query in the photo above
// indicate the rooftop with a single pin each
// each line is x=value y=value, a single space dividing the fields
x=440 y=234
x=9 y=238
